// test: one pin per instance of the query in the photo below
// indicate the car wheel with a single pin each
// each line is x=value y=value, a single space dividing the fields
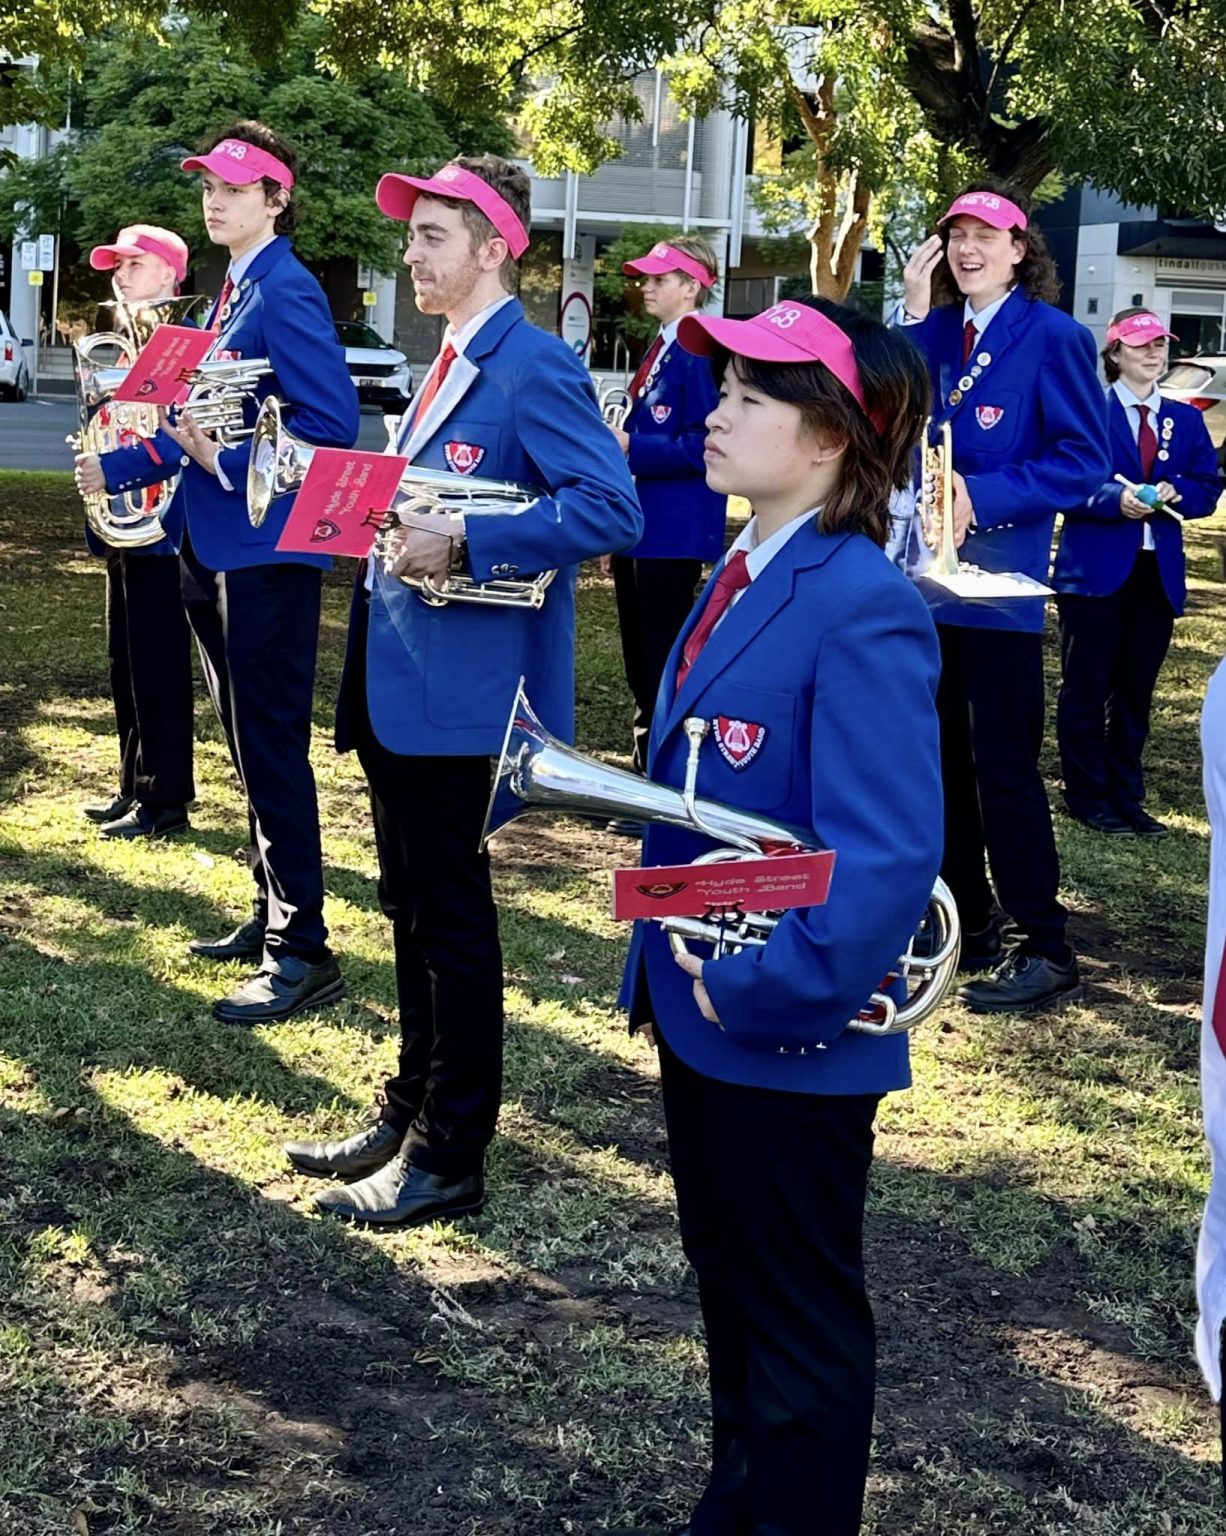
x=21 y=389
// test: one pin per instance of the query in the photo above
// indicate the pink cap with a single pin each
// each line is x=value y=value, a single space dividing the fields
x=241 y=164
x=396 y=195
x=1137 y=330
x=662 y=258
x=139 y=240
x=785 y=333
x=993 y=209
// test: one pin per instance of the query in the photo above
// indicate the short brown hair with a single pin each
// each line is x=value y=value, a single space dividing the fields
x=248 y=131
x=1035 y=274
x=702 y=251
x=1110 y=353
x=513 y=186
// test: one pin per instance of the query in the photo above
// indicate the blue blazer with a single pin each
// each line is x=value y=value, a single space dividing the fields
x=832 y=652
x=682 y=517
x=279 y=312
x=441 y=681
x=1029 y=435
x=1099 y=545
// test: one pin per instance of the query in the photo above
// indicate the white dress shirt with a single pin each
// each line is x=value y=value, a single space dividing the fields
x=1131 y=404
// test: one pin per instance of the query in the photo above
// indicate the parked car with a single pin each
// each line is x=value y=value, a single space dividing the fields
x=381 y=374
x=14 y=370
x=1201 y=381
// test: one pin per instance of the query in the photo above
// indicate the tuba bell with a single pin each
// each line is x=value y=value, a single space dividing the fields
x=536 y=772
x=615 y=403
x=279 y=464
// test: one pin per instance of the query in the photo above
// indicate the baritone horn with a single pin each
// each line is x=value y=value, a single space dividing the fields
x=279 y=464
x=536 y=772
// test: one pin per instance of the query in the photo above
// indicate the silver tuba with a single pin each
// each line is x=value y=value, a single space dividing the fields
x=278 y=466
x=101 y=360
x=536 y=772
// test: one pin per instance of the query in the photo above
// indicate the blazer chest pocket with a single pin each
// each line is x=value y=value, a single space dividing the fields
x=748 y=753
x=989 y=422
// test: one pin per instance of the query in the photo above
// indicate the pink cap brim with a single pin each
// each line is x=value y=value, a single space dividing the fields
x=704 y=334
x=671 y=260
x=397 y=194
x=988 y=207
x=104 y=258
x=1138 y=338
x=241 y=170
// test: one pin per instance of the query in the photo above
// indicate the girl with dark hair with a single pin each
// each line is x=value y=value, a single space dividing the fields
x=1015 y=379
x=815 y=663
x=1119 y=579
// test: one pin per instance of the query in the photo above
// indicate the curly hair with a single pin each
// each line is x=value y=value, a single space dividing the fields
x=248 y=131
x=1035 y=274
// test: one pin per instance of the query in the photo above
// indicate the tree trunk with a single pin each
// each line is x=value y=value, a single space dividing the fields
x=834 y=243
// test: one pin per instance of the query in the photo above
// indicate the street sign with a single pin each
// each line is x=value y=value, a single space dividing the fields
x=29 y=255
x=46 y=253
x=35 y=279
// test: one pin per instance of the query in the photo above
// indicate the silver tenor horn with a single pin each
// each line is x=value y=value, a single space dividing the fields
x=278 y=466
x=536 y=772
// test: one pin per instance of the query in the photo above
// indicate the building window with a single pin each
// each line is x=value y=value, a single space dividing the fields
x=746 y=296
x=1198 y=318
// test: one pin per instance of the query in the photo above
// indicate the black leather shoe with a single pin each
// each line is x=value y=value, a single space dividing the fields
x=286 y=987
x=399 y=1195
x=1145 y=825
x=982 y=950
x=364 y=1153
x=141 y=821
x=245 y=943
x=1108 y=823
x=112 y=810
x=1021 y=983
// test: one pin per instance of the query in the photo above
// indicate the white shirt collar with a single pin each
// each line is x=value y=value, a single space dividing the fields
x=984 y=316
x=238 y=266
x=758 y=555
x=668 y=334
x=464 y=336
x=1126 y=397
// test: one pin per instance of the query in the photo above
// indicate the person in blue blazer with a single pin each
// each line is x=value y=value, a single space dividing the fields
x=671 y=395
x=815 y=662
x=426 y=691
x=1016 y=380
x=255 y=610
x=148 y=642
x=1119 y=578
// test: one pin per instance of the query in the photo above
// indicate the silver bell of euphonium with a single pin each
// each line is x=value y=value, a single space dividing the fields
x=615 y=403
x=278 y=466
x=536 y=772
x=133 y=519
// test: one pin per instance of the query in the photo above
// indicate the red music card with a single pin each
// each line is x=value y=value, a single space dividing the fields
x=748 y=885
x=158 y=375
x=342 y=502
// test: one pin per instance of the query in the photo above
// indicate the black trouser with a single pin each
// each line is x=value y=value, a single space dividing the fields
x=434 y=884
x=775 y=1235
x=990 y=703
x=654 y=598
x=257 y=630
x=149 y=653
x=1111 y=651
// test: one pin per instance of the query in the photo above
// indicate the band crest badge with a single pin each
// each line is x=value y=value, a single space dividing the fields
x=739 y=741
x=463 y=458
x=324 y=530
x=988 y=416
x=661 y=413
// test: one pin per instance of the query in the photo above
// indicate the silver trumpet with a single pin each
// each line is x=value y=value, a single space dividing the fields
x=615 y=403
x=536 y=772
x=278 y=466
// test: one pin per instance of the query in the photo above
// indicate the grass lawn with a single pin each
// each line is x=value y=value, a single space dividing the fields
x=186 y=1350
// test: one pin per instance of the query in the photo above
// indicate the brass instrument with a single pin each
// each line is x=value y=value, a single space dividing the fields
x=536 y=772
x=278 y=466
x=615 y=404
x=131 y=520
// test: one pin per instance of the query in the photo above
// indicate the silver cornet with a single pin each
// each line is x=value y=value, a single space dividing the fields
x=278 y=466
x=536 y=772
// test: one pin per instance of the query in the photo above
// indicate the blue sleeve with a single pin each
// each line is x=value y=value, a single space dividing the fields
x=1072 y=461
x=591 y=507
x=1199 y=484
x=874 y=679
x=671 y=455
x=319 y=402
x=148 y=462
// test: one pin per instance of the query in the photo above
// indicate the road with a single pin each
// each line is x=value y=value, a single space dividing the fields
x=32 y=434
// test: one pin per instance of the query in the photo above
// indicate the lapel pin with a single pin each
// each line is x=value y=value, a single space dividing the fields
x=955 y=397
x=965 y=383
x=984 y=359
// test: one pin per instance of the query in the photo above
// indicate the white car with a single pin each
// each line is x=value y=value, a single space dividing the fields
x=381 y=374
x=14 y=370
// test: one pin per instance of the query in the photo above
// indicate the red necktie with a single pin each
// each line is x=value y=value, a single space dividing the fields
x=643 y=372
x=223 y=298
x=969 y=333
x=434 y=383
x=728 y=583
x=1147 y=443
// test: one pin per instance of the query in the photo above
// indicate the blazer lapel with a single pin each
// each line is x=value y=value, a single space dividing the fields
x=1125 y=445
x=1000 y=333
x=460 y=378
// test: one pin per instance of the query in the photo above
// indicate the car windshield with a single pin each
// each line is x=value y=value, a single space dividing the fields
x=353 y=333
x=1187 y=376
